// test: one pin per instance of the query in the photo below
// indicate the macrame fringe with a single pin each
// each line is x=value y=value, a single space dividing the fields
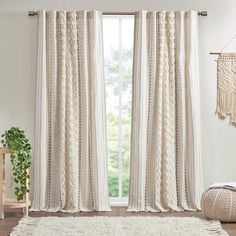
x=226 y=98
x=226 y=106
x=223 y=103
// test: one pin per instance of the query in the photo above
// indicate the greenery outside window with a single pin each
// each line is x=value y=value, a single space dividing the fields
x=118 y=53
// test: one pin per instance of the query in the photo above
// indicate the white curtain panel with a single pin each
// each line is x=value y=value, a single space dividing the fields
x=70 y=166
x=166 y=168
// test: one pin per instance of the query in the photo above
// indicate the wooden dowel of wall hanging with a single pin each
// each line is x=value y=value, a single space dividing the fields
x=215 y=53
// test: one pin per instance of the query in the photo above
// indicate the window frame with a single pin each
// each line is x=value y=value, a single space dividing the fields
x=119 y=201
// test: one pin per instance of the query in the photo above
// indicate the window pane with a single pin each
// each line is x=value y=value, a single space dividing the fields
x=118 y=53
x=110 y=35
x=127 y=62
x=127 y=32
x=126 y=102
x=111 y=47
x=113 y=171
x=112 y=108
x=125 y=168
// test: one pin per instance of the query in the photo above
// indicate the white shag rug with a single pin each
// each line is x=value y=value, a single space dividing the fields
x=117 y=226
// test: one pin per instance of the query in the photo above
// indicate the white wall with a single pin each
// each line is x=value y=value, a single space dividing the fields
x=18 y=41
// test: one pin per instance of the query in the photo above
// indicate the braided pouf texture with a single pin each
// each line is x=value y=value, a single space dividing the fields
x=219 y=204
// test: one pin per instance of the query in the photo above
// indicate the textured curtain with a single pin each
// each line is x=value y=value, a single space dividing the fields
x=166 y=169
x=70 y=166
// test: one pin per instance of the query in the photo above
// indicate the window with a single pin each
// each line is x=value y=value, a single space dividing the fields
x=118 y=53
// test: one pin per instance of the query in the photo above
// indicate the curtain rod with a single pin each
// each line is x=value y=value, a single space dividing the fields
x=35 y=13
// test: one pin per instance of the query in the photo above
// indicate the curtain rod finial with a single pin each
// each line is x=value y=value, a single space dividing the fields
x=202 y=13
x=32 y=13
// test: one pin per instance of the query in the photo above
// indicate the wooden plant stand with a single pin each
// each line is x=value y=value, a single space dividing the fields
x=7 y=203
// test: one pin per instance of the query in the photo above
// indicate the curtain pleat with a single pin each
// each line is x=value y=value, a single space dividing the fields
x=194 y=125
x=181 y=117
x=165 y=147
x=71 y=107
x=41 y=128
x=137 y=182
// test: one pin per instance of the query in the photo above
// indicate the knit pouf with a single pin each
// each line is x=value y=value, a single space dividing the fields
x=219 y=204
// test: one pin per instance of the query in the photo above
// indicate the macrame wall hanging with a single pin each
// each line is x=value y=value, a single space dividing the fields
x=226 y=85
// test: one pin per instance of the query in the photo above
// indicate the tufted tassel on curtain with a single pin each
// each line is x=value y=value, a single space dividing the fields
x=165 y=164
x=70 y=166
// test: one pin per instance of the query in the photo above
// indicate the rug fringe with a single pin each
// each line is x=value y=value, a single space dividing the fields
x=214 y=227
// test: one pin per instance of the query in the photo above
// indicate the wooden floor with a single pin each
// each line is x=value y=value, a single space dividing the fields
x=13 y=216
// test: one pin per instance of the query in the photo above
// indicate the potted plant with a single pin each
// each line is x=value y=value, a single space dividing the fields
x=20 y=155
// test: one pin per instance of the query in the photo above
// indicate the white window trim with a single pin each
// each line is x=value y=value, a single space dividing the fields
x=118 y=201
